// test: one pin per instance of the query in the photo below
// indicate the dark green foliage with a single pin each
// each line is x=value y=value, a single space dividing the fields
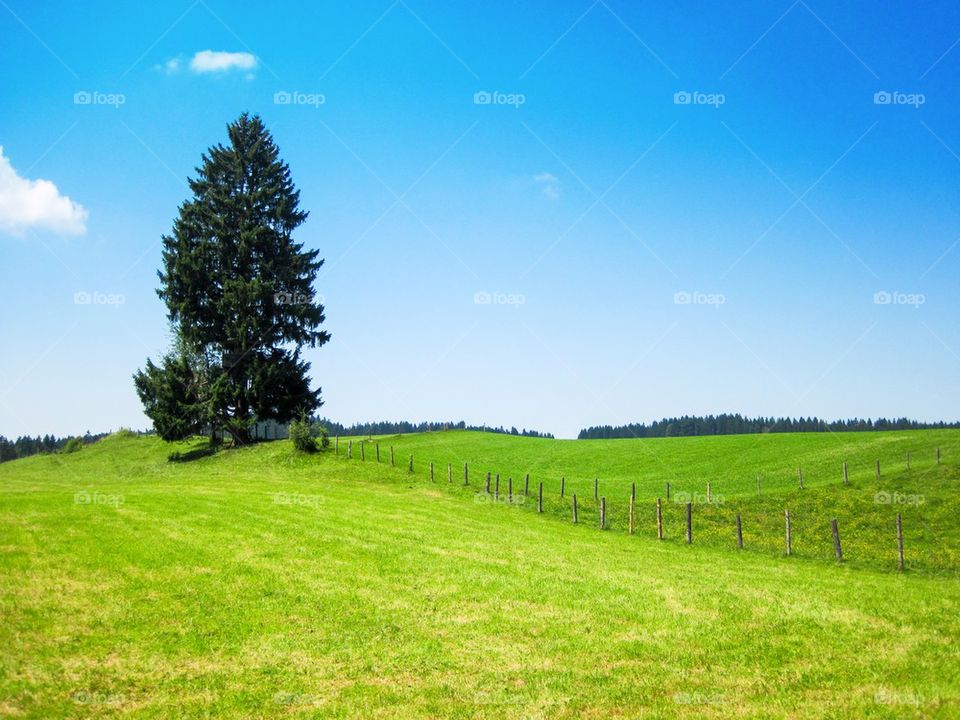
x=387 y=427
x=172 y=397
x=301 y=433
x=239 y=293
x=730 y=424
x=8 y=450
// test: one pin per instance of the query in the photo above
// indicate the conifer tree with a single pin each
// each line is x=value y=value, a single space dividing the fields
x=239 y=294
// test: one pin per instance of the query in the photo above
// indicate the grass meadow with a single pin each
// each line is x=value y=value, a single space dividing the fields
x=260 y=582
x=925 y=495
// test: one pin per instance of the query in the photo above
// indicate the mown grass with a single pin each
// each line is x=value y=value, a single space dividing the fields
x=866 y=508
x=263 y=583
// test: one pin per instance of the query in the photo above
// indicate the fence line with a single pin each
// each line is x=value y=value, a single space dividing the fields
x=687 y=506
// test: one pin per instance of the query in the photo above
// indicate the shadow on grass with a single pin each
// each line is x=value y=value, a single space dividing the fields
x=197 y=452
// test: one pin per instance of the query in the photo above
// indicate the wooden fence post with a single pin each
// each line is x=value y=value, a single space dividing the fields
x=526 y=485
x=659 y=521
x=466 y=475
x=668 y=491
x=563 y=483
x=574 y=508
x=488 y=482
x=603 y=513
x=391 y=456
x=510 y=489
x=363 y=455
x=836 y=540
x=899 y=543
x=378 y=452
x=633 y=491
x=411 y=462
x=431 y=472
x=689 y=523
x=630 y=526
x=496 y=488
x=739 y=533
x=350 y=449
x=786 y=514
x=846 y=475
x=540 y=498
x=878 y=469
x=800 y=475
x=449 y=472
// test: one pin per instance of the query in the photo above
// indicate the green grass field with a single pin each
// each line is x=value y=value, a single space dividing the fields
x=263 y=583
x=925 y=494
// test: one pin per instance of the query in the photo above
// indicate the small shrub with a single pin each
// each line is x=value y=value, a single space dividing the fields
x=301 y=433
x=324 y=437
x=73 y=445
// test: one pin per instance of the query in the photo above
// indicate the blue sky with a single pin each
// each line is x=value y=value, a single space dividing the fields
x=662 y=209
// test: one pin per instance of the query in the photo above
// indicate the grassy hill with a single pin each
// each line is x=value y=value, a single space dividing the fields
x=925 y=494
x=731 y=462
x=262 y=583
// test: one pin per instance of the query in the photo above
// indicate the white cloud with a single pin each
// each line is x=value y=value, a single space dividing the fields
x=210 y=61
x=549 y=184
x=36 y=204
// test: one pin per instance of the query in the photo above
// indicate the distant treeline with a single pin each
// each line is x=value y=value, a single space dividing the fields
x=399 y=428
x=727 y=424
x=24 y=446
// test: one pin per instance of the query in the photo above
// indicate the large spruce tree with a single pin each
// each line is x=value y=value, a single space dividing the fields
x=239 y=295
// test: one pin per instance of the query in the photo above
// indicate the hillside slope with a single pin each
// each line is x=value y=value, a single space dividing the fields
x=730 y=462
x=922 y=491
x=260 y=583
